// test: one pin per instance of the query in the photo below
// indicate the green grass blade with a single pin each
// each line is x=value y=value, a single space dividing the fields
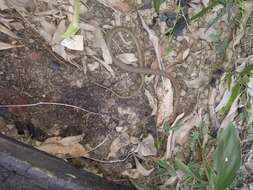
x=204 y=10
x=157 y=4
x=73 y=26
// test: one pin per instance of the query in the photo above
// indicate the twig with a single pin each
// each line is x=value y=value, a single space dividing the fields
x=109 y=161
x=100 y=144
x=52 y=103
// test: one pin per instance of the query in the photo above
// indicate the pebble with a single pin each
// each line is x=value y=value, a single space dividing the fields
x=119 y=129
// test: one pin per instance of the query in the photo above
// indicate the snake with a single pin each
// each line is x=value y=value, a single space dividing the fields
x=141 y=69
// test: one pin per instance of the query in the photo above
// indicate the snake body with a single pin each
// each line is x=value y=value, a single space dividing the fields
x=141 y=69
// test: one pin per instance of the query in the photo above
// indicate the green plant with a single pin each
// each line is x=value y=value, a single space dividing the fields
x=73 y=26
x=139 y=185
x=221 y=173
x=157 y=4
x=239 y=87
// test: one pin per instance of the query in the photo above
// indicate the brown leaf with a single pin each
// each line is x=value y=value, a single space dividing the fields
x=4 y=46
x=181 y=135
x=63 y=151
x=68 y=147
x=147 y=147
x=165 y=102
x=138 y=172
x=118 y=143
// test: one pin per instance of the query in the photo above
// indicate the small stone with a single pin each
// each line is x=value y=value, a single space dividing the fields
x=119 y=129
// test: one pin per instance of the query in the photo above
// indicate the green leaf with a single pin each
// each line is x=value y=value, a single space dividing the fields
x=165 y=169
x=236 y=88
x=234 y=93
x=157 y=4
x=73 y=26
x=139 y=185
x=227 y=157
x=186 y=170
x=204 y=10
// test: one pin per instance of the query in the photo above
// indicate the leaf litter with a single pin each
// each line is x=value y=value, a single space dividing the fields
x=198 y=49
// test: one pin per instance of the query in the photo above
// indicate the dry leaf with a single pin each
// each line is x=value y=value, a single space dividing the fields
x=128 y=58
x=71 y=140
x=171 y=138
x=68 y=147
x=140 y=171
x=4 y=46
x=100 y=43
x=170 y=146
x=250 y=86
x=154 y=40
x=165 y=102
x=211 y=108
x=63 y=151
x=152 y=101
x=198 y=82
x=121 y=141
x=186 y=53
x=74 y=42
x=6 y=31
x=147 y=147
x=181 y=135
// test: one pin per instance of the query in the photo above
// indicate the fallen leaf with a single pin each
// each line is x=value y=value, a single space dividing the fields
x=121 y=141
x=152 y=101
x=6 y=31
x=4 y=46
x=128 y=58
x=170 y=145
x=198 y=82
x=71 y=140
x=147 y=147
x=181 y=135
x=171 y=138
x=154 y=40
x=165 y=102
x=63 y=151
x=68 y=147
x=100 y=43
x=212 y=113
x=186 y=53
x=74 y=42
x=140 y=171
x=250 y=86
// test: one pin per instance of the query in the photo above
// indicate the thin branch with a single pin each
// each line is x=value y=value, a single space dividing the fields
x=53 y=103
x=100 y=144
x=109 y=161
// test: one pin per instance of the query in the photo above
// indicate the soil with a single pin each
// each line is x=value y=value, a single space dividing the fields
x=33 y=74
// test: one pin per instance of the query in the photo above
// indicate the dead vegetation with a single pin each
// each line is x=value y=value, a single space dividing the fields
x=165 y=102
